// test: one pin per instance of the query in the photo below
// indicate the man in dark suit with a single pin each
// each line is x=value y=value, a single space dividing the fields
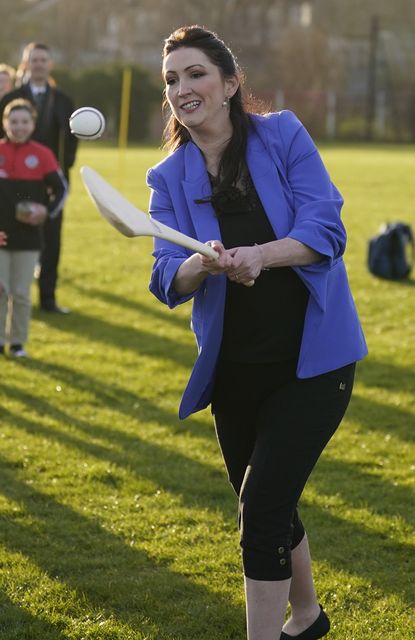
x=52 y=130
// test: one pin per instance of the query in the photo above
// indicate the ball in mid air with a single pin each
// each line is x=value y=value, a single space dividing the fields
x=87 y=123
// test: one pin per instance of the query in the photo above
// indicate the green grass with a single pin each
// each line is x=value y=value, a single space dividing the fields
x=117 y=521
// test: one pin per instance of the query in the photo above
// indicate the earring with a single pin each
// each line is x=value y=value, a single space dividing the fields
x=225 y=103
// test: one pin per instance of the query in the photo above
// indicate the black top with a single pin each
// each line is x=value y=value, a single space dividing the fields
x=263 y=323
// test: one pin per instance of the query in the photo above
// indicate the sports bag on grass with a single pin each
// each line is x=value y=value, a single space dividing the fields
x=391 y=252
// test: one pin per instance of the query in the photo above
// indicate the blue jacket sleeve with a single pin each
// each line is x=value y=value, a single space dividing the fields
x=317 y=202
x=168 y=256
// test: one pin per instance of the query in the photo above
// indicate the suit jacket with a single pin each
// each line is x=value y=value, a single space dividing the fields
x=301 y=203
x=52 y=125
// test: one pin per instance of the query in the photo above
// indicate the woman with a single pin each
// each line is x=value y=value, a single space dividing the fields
x=276 y=359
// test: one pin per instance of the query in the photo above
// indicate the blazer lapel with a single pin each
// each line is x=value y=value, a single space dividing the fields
x=267 y=174
x=265 y=177
x=196 y=185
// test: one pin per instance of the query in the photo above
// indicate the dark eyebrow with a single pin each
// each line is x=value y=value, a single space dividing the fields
x=194 y=65
x=186 y=68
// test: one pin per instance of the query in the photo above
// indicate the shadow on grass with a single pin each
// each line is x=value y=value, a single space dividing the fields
x=122 y=337
x=143 y=459
x=108 y=574
x=161 y=313
x=144 y=594
x=368 y=554
x=370 y=551
x=390 y=419
x=388 y=375
x=18 y=624
x=385 y=565
x=368 y=489
x=397 y=283
x=165 y=467
x=114 y=396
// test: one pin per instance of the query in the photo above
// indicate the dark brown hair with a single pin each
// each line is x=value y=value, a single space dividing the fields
x=175 y=134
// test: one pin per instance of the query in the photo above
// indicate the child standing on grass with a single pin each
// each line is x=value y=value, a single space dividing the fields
x=32 y=188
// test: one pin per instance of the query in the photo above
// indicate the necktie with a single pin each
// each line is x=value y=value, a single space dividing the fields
x=39 y=99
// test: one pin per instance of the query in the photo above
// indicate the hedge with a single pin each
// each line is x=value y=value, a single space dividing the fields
x=100 y=87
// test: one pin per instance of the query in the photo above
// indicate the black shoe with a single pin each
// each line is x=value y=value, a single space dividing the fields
x=1 y=349
x=317 y=630
x=54 y=308
x=17 y=351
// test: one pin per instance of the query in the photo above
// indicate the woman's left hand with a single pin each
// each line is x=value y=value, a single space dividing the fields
x=247 y=264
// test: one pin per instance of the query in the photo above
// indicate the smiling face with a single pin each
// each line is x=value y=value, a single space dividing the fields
x=19 y=125
x=196 y=90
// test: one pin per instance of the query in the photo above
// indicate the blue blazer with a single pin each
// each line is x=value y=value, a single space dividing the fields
x=301 y=203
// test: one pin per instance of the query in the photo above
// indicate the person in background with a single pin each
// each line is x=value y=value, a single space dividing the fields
x=32 y=189
x=276 y=360
x=52 y=130
x=7 y=76
x=3 y=243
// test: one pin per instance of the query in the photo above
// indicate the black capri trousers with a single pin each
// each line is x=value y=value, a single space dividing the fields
x=272 y=428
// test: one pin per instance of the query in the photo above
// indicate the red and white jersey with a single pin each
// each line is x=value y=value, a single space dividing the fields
x=28 y=171
x=28 y=161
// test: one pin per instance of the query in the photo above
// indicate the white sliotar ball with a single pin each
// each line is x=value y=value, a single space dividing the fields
x=87 y=123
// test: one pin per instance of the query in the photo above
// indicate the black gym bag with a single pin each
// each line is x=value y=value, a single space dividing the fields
x=391 y=252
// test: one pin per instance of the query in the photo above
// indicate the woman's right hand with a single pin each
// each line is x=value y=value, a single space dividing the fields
x=193 y=271
x=221 y=264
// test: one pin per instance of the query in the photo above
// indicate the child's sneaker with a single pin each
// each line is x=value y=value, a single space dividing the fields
x=17 y=351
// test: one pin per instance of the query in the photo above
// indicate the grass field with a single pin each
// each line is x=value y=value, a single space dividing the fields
x=116 y=519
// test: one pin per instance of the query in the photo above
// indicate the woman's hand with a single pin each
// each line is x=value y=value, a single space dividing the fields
x=218 y=265
x=3 y=239
x=247 y=264
x=193 y=271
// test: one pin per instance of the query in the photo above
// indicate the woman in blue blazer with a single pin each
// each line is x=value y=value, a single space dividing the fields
x=275 y=360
